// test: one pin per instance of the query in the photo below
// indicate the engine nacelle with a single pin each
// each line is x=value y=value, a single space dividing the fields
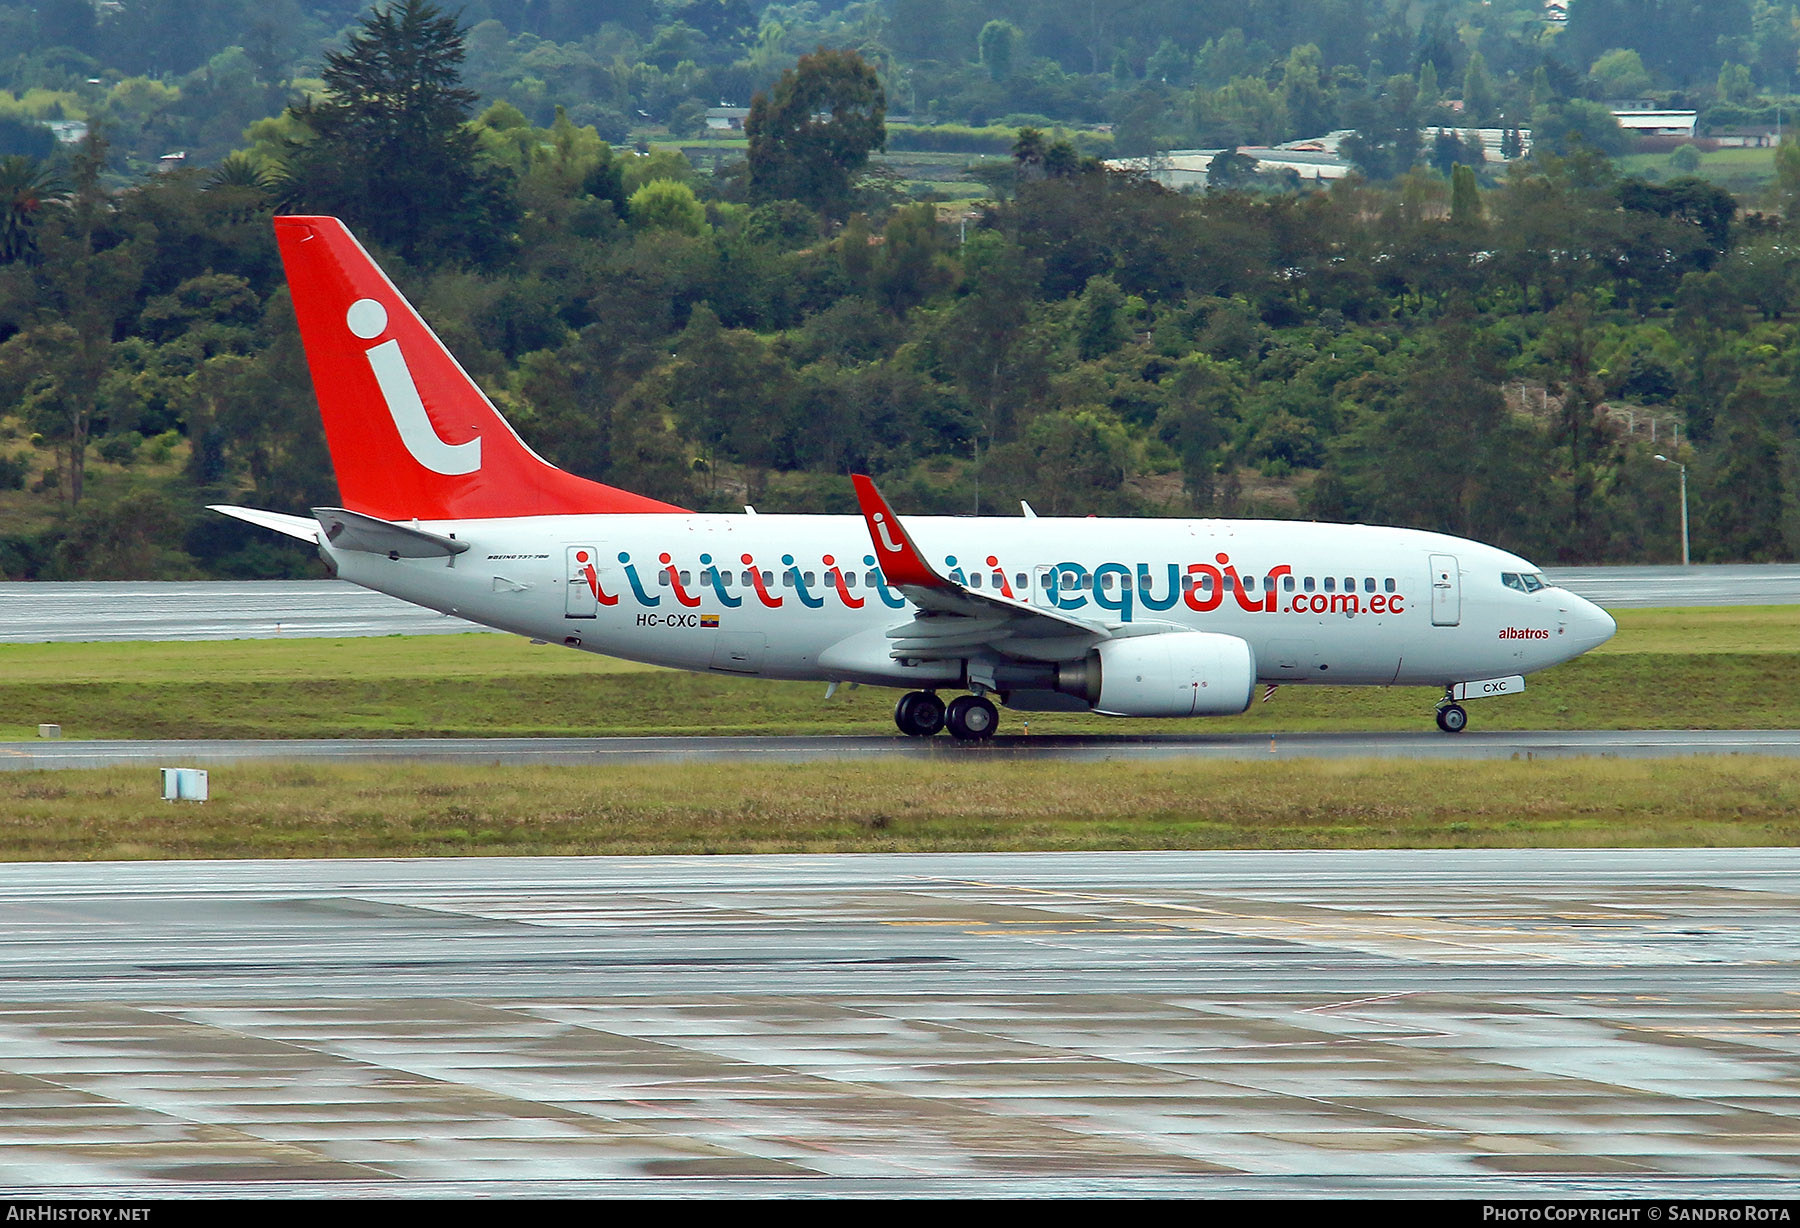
x=1180 y=673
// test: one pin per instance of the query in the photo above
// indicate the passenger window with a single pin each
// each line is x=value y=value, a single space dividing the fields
x=1349 y=584
x=1287 y=584
x=869 y=580
x=787 y=579
x=1187 y=584
x=1307 y=586
x=1020 y=582
x=811 y=579
x=1331 y=584
x=999 y=578
x=1368 y=584
x=1087 y=580
x=1389 y=583
x=769 y=579
x=1125 y=583
x=662 y=577
x=1206 y=584
x=975 y=579
x=748 y=582
x=1106 y=582
x=685 y=578
x=850 y=579
x=1249 y=584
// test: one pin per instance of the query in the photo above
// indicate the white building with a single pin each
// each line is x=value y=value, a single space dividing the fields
x=1658 y=123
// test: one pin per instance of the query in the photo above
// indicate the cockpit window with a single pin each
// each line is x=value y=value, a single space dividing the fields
x=1525 y=582
x=1533 y=581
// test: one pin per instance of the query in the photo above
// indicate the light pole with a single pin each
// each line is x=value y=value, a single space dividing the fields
x=1684 y=532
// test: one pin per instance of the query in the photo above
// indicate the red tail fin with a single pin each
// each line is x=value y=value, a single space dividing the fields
x=411 y=435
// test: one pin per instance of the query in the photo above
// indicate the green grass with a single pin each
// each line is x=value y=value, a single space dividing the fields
x=1743 y=171
x=961 y=804
x=1701 y=668
x=1666 y=668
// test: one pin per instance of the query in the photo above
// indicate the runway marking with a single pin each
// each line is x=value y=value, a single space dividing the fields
x=1333 y=1006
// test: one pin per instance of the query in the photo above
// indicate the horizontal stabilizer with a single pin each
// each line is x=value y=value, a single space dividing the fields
x=347 y=530
x=294 y=526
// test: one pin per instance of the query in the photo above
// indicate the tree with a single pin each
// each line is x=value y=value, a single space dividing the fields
x=815 y=129
x=1230 y=169
x=1787 y=176
x=1478 y=91
x=1202 y=396
x=1620 y=74
x=1028 y=154
x=26 y=186
x=664 y=204
x=1100 y=324
x=1309 y=106
x=1386 y=141
x=1465 y=197
x=997 y=43
x=1734 y=84
x=1562 y=127
x=389 y=148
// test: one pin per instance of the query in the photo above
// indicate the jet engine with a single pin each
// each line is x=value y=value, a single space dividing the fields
x=1180 y=673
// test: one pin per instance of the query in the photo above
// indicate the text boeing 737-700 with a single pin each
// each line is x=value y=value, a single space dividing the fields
x=446 y=507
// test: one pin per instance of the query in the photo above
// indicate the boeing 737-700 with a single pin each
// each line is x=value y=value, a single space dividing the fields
x=446 y=507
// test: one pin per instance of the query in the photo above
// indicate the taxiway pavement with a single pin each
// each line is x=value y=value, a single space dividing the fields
x=1499 y=744
x=1464 y=1023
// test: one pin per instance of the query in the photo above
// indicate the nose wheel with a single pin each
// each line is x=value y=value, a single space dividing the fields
x=1452 y=718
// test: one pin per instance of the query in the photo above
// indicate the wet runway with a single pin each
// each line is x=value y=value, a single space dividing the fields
x=1421 y=744
x=213 y=610
x=1620 y=588
x=1473 y=1023
x=32 y=613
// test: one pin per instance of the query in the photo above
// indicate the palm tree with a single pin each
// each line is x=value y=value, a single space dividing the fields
x=26 y=186
x=243 y=187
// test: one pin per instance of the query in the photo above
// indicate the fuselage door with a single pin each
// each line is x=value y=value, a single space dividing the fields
x=583 y=587
x=1043 y=587
x=1446 y=591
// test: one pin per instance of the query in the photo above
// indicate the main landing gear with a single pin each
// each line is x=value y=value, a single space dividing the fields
x=1451 y=717
x=970 y=718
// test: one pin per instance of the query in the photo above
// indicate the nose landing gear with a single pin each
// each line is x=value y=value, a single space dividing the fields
x=1451 y=717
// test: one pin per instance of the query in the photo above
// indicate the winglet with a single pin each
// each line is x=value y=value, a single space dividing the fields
x=900 y=560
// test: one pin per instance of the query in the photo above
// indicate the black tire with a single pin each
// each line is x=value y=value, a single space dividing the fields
x=972 y=718
x=1452 y=718
x=919 y=714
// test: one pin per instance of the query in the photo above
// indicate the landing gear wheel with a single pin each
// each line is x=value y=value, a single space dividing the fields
x=919 y=714
x=972 y=718
x=1451 y=718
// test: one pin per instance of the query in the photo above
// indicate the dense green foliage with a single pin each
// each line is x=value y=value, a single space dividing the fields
x=1448 y=344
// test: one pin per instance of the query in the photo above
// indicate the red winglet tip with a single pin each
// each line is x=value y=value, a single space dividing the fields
x=900 y=560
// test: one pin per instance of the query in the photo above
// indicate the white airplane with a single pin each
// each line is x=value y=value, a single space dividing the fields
x=446 y=507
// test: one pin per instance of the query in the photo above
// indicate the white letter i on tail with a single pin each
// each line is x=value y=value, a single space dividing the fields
x=368 y=319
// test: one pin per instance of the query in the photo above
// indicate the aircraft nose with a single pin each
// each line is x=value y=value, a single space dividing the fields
x=1589 y=625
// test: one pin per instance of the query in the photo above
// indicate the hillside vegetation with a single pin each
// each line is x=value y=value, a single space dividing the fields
x=1496 y=351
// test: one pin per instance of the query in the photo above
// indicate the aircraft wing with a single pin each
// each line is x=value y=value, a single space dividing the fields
x=955 y=621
